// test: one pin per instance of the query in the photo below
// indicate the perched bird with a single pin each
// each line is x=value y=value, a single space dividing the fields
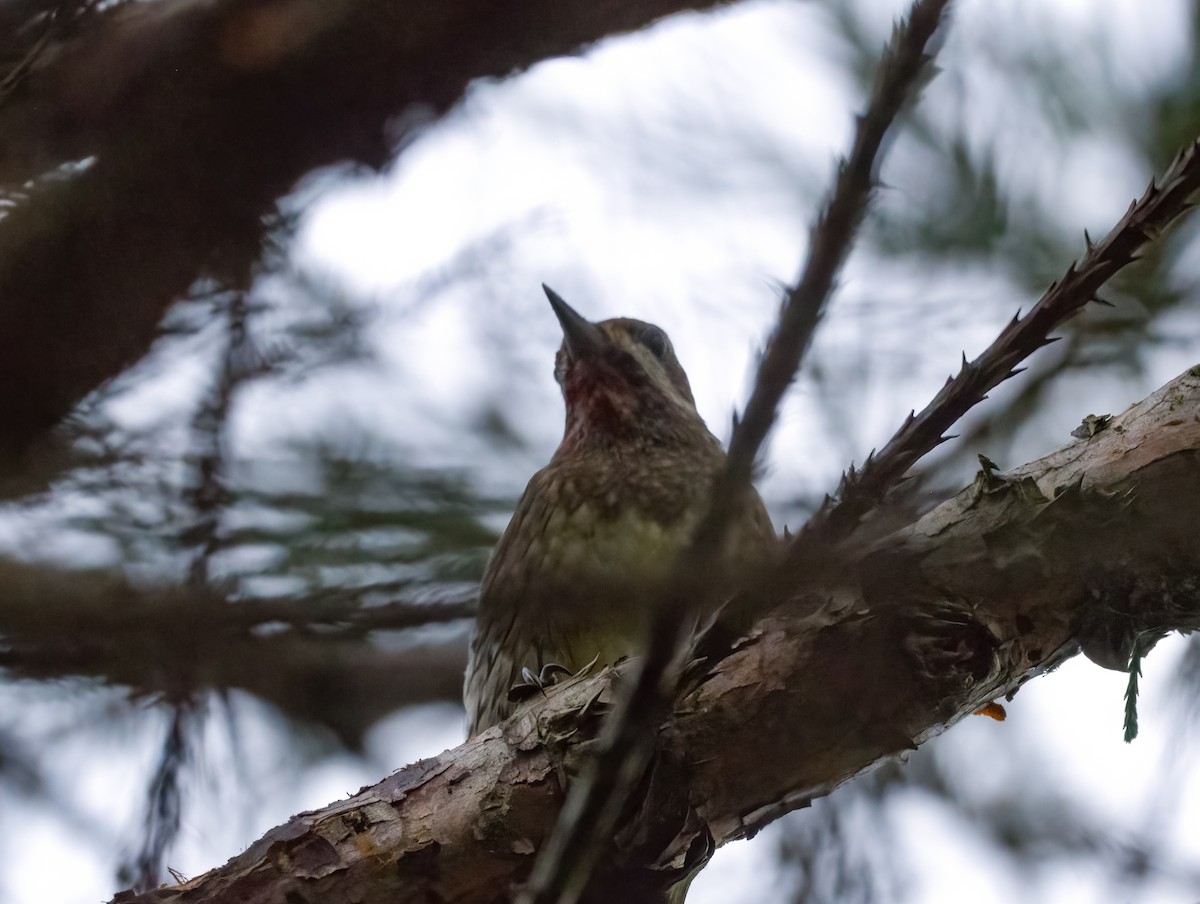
x=598 y=529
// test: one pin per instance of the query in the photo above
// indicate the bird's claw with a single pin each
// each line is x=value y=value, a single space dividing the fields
x=532 y=683
x=551 y=672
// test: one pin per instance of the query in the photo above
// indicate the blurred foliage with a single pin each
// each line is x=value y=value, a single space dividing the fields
x=359 y=524
x=332 y=530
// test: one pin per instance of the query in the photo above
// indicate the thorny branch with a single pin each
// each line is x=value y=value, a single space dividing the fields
x=465 y=826
x=863 y=489
x=594 y=804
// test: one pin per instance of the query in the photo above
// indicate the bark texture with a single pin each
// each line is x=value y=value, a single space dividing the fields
x=148 y=150
x=1094 y=545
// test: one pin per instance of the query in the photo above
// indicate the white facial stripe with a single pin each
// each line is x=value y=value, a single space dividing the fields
x=658 y=373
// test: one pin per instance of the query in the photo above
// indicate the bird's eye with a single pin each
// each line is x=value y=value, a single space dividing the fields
x=656 y=340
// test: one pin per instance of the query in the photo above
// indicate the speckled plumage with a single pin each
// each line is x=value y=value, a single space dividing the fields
x=571 y=577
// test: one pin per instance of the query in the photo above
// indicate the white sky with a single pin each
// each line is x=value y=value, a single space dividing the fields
x=668 y=175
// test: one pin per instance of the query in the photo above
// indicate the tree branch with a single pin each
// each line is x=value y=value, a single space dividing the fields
x=863 y=489
x=157 y=139
x=978 y=596
x=171 y=643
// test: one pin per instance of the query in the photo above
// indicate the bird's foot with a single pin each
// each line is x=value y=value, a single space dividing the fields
x=533 y=683
x=550 y=674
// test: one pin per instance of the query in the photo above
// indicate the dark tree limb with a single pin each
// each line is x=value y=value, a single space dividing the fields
x=966 y=604
x=193 y=119
x=323 y=669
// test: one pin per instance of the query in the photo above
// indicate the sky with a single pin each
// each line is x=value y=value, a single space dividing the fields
x=668 y=175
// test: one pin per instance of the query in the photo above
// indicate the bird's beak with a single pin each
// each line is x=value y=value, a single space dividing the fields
x=583 y=338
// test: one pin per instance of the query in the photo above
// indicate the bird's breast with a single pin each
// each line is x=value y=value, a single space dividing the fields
x=620 y=545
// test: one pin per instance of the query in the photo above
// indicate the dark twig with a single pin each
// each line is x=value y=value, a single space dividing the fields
x=10 y=79
x=900 y=71
x=863 y=489
x=1000 y=420
x=164 y=810
x=591 y=812
x=28 y=34
x=208 y=498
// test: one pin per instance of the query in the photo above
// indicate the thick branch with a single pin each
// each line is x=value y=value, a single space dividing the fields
x=194 y=117
x=56 y=623
x=966 y=604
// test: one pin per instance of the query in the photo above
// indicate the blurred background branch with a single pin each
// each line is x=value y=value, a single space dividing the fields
x=184 y=123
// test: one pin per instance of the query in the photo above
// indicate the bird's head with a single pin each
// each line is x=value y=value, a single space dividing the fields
x=620 y=379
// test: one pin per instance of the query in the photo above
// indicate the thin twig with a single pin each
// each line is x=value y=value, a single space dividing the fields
x=164 y=805
x=209 y=500
x=595 y=801
x=1032 y=393
x=863 y=489
x=59 y=19
x=13 y=77
x=210 y=427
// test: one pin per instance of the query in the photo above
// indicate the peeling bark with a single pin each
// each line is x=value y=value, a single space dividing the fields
x=980 y=595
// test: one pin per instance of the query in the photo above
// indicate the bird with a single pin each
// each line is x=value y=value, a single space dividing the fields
x=572 y=580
